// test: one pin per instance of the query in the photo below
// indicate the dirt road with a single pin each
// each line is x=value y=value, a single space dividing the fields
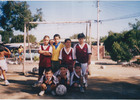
x=113 y=82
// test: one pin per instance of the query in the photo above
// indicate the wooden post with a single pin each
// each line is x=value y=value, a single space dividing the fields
x=29 y=45
x=86 y=31
x=90 y=34
x=24 y=59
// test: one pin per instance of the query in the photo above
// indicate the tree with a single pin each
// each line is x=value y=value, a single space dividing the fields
x=6 y=35
x=20 y=39
x=123 y=46
x=120 y=52
x=15 y=13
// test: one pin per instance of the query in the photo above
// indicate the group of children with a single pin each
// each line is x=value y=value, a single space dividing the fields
x=63 y=64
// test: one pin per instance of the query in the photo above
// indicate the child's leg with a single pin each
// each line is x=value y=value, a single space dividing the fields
x=4 y=74
x=85 y=71
x=41 y=70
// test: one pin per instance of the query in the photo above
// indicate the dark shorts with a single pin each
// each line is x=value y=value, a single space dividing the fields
x=55 y=66
x=42 y=69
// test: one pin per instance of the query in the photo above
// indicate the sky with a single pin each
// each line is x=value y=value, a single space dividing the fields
x=54 y=11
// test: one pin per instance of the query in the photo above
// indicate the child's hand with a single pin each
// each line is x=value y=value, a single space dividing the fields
x=68 y=82
x=89 y=62
x=50 y=82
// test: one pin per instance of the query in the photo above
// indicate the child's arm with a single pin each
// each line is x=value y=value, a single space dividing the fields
x=7 y=52
x=89 y=59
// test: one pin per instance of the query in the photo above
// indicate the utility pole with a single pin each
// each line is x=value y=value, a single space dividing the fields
x=98 y=36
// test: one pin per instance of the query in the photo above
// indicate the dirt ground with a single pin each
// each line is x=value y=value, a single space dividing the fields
x=112 y=82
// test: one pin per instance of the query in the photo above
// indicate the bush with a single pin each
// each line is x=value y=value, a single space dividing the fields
x=120 y=52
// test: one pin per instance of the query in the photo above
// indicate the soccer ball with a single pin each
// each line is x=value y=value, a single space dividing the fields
x=61 y=90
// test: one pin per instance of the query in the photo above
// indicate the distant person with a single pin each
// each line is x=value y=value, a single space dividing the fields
x=77 y=78
x=57 y=46
x=83 y=54
x=20 y=53
x=48 y=82
x=45 y=52
x=3 y=65
x=67 y=55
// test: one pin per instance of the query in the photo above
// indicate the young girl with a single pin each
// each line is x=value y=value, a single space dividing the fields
x=45 y=52
x=3 y=65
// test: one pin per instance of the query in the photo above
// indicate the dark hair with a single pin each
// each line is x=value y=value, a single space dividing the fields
x=77 y=64
x=2 y=48
x=63 y=65
x=48 y=69
x=67 y=40
x=81 y=35
x=56 y=35
x=20 y=46
x=46 y=36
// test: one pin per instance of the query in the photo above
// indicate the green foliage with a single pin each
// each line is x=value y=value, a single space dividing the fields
x=15 y=14
x=120 y=52
x=123 y=46
x=102 y=39
x=6 y=36
x=20 y=39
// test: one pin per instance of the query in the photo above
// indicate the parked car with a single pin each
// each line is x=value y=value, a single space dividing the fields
x=33 y=52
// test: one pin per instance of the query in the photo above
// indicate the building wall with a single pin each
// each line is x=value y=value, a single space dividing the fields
x=94 y=52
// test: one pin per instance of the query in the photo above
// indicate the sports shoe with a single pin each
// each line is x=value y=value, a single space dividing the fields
x=7 y=82
x=1 y=77
x=82 y=89
x=41 y=93
x=53 y=93
x=36 y=84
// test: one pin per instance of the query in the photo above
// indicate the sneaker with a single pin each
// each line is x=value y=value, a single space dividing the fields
x=53 y=93
x=7 y=82
x=36 y=84
x=41 y=93
x=82 y=89
x=1 y=77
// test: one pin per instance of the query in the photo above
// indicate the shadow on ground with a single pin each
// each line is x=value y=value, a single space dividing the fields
x=99 y=88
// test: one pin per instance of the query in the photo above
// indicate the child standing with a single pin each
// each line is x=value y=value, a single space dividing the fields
x=83 y=54
x=63 y=75
x=48 y=82
x=3 y=64
x=77 y=78
x=45 y=52
x=57 y=46
x=67 y=55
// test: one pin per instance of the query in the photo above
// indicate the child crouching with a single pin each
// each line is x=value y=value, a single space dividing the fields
x=77 y=79
x=63 y=75
x=48 y=82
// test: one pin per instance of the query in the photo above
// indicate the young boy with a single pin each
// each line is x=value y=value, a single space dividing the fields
x=67 y=55
x=83 y=54
x=3 y=65
x=45 y=52
x=48 y=82
x=77 y=78
x=63 y=75
x=57 y=46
